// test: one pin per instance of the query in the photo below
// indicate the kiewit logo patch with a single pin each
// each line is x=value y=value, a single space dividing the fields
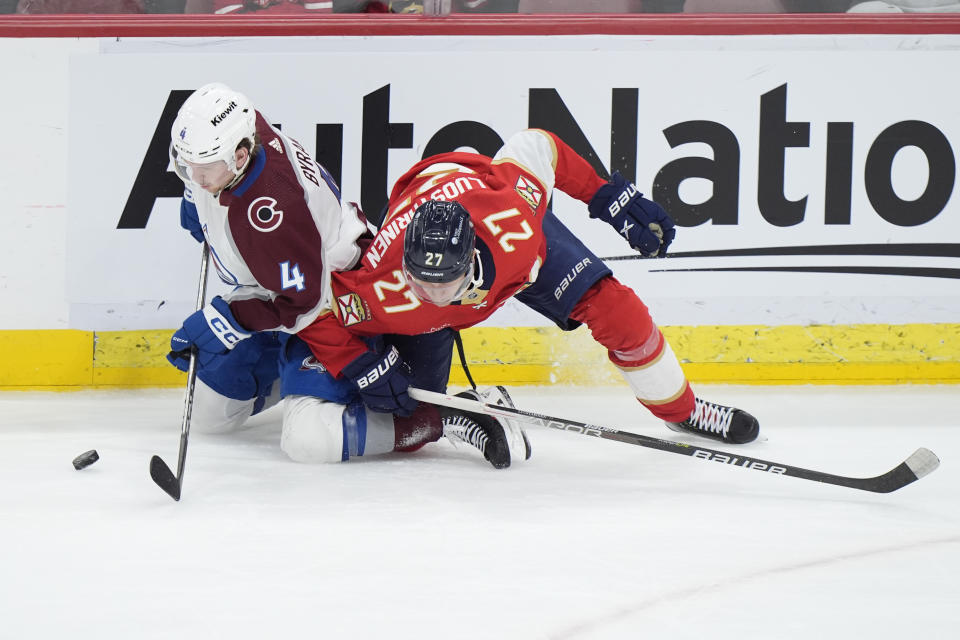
x=529 y=192
x=217 y=119
x=352 y=309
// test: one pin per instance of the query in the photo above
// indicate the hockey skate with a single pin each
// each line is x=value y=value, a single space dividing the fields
x=501 y=441
x=718 y=422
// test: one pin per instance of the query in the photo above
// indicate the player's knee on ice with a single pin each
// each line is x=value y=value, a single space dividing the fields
x=315 y=430
x=216 y=414
x=312 y=430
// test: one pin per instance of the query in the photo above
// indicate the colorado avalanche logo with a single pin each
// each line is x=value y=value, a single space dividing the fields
x=263 y=214
x=312 y=363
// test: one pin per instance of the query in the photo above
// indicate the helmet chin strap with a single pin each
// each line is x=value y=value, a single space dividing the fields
x=476 y=269
x=235 y=180
x=238 y=172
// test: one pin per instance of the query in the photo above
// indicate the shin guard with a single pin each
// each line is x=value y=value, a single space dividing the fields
x=636 y=346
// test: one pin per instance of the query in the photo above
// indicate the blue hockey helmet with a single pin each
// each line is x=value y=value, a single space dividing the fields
x=438 y=251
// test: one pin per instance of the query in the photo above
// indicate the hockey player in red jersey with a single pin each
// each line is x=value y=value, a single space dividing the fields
x=463 y=233
x=276 y=229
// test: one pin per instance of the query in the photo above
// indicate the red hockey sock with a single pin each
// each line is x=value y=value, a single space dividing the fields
x=414 y=431
x=617 y=318
x=620 y=321
x=676 y=410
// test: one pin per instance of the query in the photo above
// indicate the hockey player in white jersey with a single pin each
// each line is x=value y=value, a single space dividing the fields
x=275 y=226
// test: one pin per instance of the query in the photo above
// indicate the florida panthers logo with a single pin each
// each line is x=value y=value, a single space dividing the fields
x=352 y=309
x=529 y=192
x=263 y=214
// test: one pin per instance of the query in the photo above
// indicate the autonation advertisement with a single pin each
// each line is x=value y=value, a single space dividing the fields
x=809 y=184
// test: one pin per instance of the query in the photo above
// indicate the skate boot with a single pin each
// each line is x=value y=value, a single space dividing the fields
x=516 y=436
x=718 y=422
x=501 y=441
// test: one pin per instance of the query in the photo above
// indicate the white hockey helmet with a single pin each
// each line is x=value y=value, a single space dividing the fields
x=210 y=126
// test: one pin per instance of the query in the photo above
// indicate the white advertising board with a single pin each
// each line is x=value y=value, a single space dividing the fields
x=812 y=181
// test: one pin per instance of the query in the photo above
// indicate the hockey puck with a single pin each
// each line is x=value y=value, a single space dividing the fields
x=84 y=460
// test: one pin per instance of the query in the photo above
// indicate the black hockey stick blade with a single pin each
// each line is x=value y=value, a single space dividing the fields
x=920 y=463
x=164 y=478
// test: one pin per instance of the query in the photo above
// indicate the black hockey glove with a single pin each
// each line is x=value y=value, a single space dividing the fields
x=382 y=379
x=644 y=223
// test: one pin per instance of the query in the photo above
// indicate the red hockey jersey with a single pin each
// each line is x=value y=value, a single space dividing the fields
x=506 y=197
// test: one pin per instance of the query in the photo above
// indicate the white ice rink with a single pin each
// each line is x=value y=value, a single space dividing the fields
x=589 y=539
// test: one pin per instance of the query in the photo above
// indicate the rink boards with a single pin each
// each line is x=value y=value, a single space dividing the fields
x=817 y=216
x=850 y=354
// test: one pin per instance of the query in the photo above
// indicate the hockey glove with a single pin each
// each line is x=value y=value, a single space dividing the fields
x=212 y=330
x=644 y=223
x=189 y=219
x=382 y=379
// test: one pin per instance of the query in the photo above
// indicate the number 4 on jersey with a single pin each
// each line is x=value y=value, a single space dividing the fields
x=291 y=277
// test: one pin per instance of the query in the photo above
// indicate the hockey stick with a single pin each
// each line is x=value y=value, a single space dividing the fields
x=159 y=470
x=920 y=463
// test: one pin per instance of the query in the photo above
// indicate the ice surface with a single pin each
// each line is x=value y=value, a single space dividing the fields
x=589 y=539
